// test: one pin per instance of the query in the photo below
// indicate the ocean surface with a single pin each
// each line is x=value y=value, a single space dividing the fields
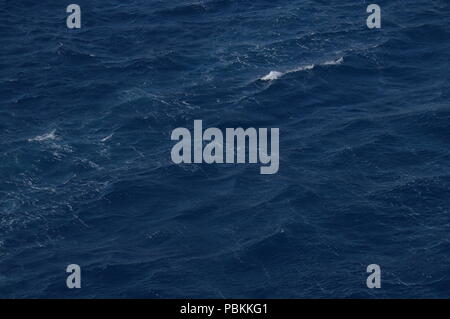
x=86 y=175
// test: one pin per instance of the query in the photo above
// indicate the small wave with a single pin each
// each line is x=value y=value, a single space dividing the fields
x=274 y=75
x=334 y=62
x=44 y=137
x=107 y=138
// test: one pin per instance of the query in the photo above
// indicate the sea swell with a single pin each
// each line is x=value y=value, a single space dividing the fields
x=85 y=143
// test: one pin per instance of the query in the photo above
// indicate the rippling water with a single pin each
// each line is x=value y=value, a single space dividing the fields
x=87 y=178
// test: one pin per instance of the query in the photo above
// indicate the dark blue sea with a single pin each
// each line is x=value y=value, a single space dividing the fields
x=86 y=175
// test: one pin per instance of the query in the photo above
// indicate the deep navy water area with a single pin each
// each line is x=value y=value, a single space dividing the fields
x=86 y=175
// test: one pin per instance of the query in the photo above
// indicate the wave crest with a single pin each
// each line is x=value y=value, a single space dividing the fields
x=274 y=75
x=44 y=137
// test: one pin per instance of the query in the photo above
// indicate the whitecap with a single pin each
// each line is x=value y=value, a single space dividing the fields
x=334 y=62
x=302 y=68
x=106 y=138
x=274 y=75
x=44 y=137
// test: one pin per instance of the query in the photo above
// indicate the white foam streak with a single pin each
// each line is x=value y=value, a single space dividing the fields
x=274 y=75
x=44 y=137
x=103 y=140
x=334 y=62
